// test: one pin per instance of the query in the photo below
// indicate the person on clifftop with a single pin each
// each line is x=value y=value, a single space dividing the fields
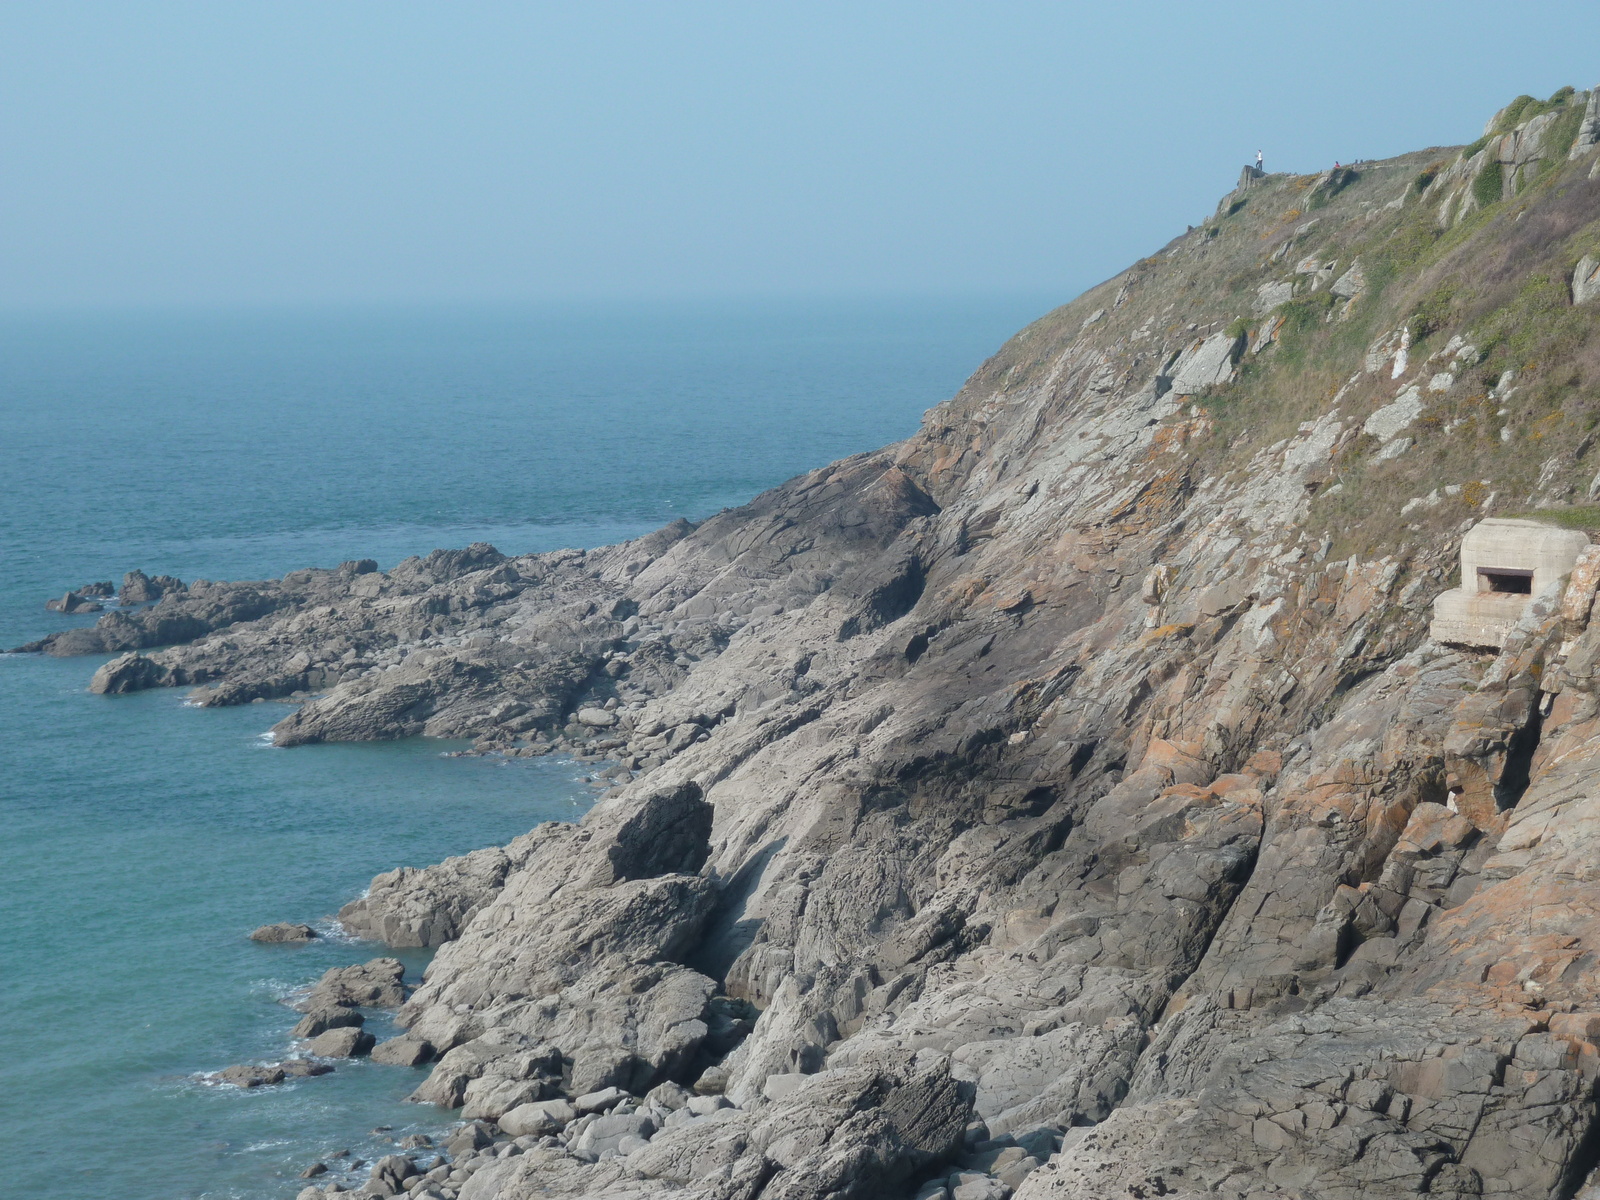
x=1258 y=160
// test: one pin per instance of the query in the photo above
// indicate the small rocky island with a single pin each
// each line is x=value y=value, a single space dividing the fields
x=1068 y=802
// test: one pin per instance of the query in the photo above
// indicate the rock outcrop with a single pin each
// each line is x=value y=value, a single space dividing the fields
x=1067 y=801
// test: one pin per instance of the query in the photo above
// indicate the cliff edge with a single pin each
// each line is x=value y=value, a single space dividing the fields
x=1069 y=800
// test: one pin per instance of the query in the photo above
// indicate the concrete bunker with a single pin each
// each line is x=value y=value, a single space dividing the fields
x=1504 y=563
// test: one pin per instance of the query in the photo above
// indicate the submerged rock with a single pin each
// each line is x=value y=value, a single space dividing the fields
x=284 y=931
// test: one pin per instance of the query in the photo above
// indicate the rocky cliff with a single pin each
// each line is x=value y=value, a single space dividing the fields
x=1067 y=800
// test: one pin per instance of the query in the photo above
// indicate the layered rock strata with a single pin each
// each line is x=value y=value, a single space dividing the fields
x=1066 y=800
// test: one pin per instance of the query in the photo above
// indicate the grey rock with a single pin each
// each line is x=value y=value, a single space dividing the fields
x=374 y=984
x=130 y=672
x=74 y=602
x=342 y=1042
x=389 y=1175
x=600 y=1101
x=304 y=1067
x=1205 y=363
x=1586 y=279
x=403 y=1051
x=320 y=1020
x=250 y=1076
x=284 y=931
x=139 y=588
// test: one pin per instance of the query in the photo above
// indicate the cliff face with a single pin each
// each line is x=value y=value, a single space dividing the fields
x=1080 y=766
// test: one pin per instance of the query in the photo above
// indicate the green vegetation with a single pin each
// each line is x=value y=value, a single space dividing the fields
x=1426 y=176
x=1238 y=328
x=1436 y=312
x=1304 y=313
x=1489 y=184
x=1580 y=516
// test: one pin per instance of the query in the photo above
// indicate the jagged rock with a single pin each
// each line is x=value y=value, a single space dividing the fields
x=1586 y=279
x=75 y=602
x=284 y=931
x=432 y=905
x=1589 y=130
x=304 y=1067
x=320 y=1020
x=139 y=588
x=250 y=1076
x=374 y=984
x=389 y=1175
x=1206 y=363
x=131 y=672
x=1080 y=767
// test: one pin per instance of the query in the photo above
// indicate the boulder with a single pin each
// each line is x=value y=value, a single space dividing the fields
x=284 y=931
x=248 y=1075
x=131 y=672
x=389 y=1175
x=403 y=1051
x=1206 y=363
x=374 y=984
x=305 y=1067
x=320 y=1020
x=139 y=588
x=1586 y=279
x=597 y=718
x=601 y=1100
x=607 y=1132
x=74 y=602
x=346 y=1041
x=488 y=1096
x=534 y=1120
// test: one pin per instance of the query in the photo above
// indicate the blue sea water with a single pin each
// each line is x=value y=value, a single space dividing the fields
x=143 y=839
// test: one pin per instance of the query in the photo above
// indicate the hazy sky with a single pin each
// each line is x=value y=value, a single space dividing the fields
x=239 y=152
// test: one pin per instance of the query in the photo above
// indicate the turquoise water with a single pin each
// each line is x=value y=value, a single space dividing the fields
x=144 y=839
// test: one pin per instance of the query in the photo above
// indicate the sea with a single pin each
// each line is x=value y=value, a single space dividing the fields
x=143 y=839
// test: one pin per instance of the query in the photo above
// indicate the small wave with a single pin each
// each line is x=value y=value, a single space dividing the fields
x=256 y=1146
x=330 y=930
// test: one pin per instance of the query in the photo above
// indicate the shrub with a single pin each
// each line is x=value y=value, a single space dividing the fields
x=1436 y=312
x=1238 y=328
x=1486 y=188
x=1305 y=313
x=1517 y=111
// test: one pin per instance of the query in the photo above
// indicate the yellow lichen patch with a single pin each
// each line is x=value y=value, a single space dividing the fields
x=1545 y=426
x=1161 y=632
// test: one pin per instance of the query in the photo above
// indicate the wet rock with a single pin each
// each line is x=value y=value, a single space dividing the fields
x=374 y=984
x=139 y=588
x=389 y=1175
x=342 y=1042
x=284 y=931
x=320 y=1020
x=304 y=1067
x=250 y=1076
x=74 y=602
x=130 y=672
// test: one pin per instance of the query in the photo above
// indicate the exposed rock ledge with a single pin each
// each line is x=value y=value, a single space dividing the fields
x=1076 y=773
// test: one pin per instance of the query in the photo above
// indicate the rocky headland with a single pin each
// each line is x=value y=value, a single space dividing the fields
x=1067 y=802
